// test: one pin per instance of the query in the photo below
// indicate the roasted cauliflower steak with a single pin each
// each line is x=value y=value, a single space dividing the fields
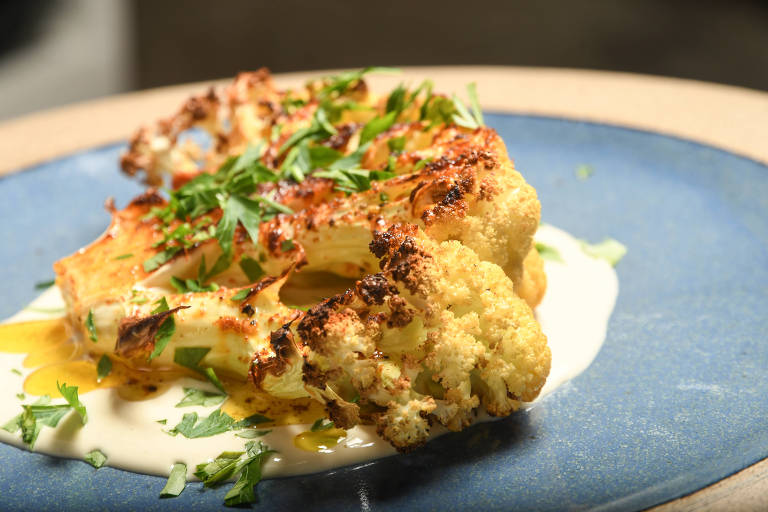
x=419 y=208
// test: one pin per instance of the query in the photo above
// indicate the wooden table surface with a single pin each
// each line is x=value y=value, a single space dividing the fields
x=732 y=118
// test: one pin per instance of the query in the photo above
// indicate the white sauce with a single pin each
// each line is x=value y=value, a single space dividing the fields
x=581 y=293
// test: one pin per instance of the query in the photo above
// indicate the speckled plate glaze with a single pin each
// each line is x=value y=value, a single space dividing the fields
x=674 y=401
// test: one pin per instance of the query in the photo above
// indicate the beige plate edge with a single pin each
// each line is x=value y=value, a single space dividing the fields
x=731 y=118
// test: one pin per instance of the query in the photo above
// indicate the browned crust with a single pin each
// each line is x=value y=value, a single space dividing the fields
x=136 y=336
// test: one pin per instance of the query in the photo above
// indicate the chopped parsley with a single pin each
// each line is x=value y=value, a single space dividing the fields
x=242 y=294
x=42 y=285
x=135 y=299
x=547 y=252
x=287 y=245
x=396 y=144
x=17 y=372
x=462 y=116
x=383 y=197
x=21 y=396
x=194 y=396
x=162 y=422
x=251 y=433
x=103 y=368
x=190 y=357
x=192 y=427
x=95 y=458
x=609 y=250
x=247 y=464
x=421 y=163
x=165 y=331
x=584 y=172
x=124 y=256
x=251 y=268
x=34 y=417
x=177 y=481
x=321 y=424
x=91 y=328
x=192 y=285
x=70 y=395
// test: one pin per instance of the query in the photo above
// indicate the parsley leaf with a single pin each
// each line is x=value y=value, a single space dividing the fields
x=287 y=245
x=320 y=424
x=70 y=395
x=91 y=328
x=228 y=464
x=251 y=420
x=251 y=268
x=161 y=258
x=192 y=285
x=103 y=368
x=339 y=84
x=609 y=250
x=583 y=172
x=251 y=433
x=241 y=294
x=475 y=104
x=177 y=481
x=13 y=425
x=95 y=458
x=354 y=180
x=214 y=379
x=194 y=396
x=217 y=423
x=165 y=331
x=190 y=357
x=376 y=126
x=124 y=256
x=547 y=252
x=34 y=417
x=42 y=285
x=396 y=144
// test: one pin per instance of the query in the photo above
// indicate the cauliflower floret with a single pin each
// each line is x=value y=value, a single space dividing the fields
x=430 y=337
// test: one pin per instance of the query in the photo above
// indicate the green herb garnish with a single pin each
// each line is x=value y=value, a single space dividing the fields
x=17 y=372
x=70 y=395
x=42 y=285
x=321 y=424
x=95 y=458
x=103 y=368
x=192 y=285
x=228 y=464
x=251 y=268
x=124 y=256
x=251 y=433
x=91 y=328
x=547 y=252
x=177 y=481
x=194 y=396
x=34 y=417
x=609 y=250
x=584 y=172
x=165 y=331
x=242 y=294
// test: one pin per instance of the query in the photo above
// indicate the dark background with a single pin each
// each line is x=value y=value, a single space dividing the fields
x=162 y=42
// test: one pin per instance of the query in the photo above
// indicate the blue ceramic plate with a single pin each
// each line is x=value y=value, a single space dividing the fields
x=674 y=401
